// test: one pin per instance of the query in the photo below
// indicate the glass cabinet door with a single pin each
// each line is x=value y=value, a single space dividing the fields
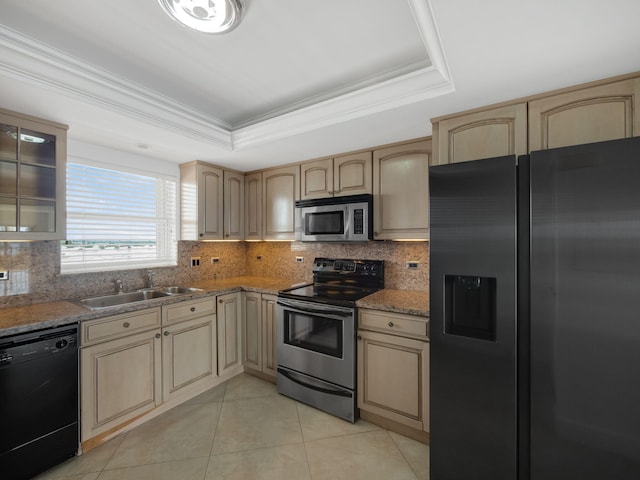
x=32 y=170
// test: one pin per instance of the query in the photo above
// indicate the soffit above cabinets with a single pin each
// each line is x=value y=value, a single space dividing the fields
x=296 y=79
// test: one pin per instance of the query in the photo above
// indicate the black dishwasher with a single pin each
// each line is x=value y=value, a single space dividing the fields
x=38 y=400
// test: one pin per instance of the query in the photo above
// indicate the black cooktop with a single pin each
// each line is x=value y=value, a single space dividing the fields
x=340 y=281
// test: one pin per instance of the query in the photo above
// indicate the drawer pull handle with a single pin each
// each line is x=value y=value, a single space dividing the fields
x=166 y=333
x=390 y=324
x=193 y=309
x=158 y=335
x=126 y=324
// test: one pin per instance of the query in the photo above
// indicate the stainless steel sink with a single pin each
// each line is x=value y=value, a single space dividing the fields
x=179 y=290
x=116 y=299
x=122 y=298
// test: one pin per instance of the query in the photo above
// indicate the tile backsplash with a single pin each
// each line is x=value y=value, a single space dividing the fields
x=34 y=267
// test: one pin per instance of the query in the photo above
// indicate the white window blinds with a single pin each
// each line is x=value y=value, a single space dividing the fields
x=118 y=220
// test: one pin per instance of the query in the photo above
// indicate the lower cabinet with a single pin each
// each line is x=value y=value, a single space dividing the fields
x=229 y=332
x=259 y=333
x=188 y=345
x=132 y=363
x=121 y=372
x=393 y=368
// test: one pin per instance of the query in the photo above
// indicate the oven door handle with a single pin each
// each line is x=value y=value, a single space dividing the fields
x=317 y=308
x=312 y=385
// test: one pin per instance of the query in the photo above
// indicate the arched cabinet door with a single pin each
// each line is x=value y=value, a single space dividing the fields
x=401 y=192
x=280 y=190
x=494 y=132
x=592 y=114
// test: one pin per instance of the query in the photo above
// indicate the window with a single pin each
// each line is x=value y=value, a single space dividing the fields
x=118 y=220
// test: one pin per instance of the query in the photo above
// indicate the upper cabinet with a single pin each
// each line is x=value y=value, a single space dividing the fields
x=401 y=191
x=600 y=111
x=212 y=203
x=233 y=215
x=592 y=114
x=33 y=156
x=280 y=190
x=492 y=132
x=340 y=176
x=253 y=206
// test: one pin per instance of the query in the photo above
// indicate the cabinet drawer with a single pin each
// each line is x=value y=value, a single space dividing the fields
x=395 y=323
x=95 y=331
x=187 y=310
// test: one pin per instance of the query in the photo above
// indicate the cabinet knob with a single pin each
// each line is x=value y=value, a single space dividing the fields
x=126 y=325
x=166 y=333
x=193 y=309
x=221 y=301
x=390 y=324
x=359 y=337
x=158 y=335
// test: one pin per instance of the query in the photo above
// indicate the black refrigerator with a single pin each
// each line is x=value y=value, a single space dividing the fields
x=535 y=315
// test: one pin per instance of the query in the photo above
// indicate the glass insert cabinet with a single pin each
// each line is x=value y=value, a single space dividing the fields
x=33 y=156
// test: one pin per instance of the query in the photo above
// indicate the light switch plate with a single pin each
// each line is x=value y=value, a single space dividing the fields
x=413 y=264
x=4 y=275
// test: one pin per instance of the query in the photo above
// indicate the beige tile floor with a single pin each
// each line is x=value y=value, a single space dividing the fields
x=243 y=429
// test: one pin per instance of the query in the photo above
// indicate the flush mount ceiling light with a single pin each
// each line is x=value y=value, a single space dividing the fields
x=208 y=16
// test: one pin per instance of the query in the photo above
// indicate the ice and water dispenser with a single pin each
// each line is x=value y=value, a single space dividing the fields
x=470 y=306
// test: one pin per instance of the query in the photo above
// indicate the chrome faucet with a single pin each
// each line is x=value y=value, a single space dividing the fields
x=119 y=286
x=150 y=275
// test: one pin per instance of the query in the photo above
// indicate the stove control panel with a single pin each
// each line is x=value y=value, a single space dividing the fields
x=330 y=266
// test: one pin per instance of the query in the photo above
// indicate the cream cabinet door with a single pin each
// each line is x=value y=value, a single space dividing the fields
x=280 y=190
x=119 y=380
x=393 y=378
x=252 y=331
x=233 y=206
x=201 y=201
x=352 y=174
x=269 y=318
x=316 y=179
x=229 y=332
x=489 y=133
x=210 y=203
x=188 y=354
x=592 y=114
x=253 y=206
x=401 y=191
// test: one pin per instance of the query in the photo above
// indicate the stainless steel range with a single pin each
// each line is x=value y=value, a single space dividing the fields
x=317 y=334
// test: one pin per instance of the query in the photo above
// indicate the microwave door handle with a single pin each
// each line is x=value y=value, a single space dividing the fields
x=319 y=309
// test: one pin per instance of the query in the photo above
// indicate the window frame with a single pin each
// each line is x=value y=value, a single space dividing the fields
x=171 y=235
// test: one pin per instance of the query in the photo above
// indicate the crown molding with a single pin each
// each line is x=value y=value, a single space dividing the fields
x=29 y=60
x=36 y=63
x=403 y=90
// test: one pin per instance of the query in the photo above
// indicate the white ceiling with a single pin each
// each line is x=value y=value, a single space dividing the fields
x=297 y=79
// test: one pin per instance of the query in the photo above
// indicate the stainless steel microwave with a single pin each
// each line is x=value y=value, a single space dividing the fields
x=336 y=219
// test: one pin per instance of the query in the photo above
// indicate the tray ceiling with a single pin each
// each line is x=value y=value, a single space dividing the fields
x=295 y=80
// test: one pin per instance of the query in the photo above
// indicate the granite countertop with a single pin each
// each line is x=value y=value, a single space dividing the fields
x=410 y=302
x=26 y=318
x=21 y=319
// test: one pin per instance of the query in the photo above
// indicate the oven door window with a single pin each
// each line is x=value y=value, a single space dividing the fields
x=318 y=334
x=324 y=223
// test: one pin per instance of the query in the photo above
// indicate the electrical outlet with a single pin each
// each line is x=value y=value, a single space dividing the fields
x=299 y=259
x=215 y=259
x=413 y=265
x=4 y=275
x=195 y=261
